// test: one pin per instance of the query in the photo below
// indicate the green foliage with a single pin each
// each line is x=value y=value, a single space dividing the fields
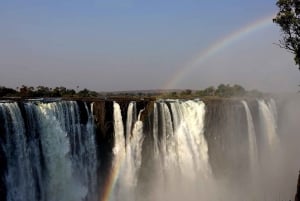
x=288 y=18
x=42 y=91
x=87 y=93
x=210 y=91
x=62 y=92
x=222 y=91
x=186 y=92
x=174 y=94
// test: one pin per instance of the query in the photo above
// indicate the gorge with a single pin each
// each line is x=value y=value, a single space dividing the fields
x=144 y=150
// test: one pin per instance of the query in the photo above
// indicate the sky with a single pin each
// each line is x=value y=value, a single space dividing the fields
x=117 y=45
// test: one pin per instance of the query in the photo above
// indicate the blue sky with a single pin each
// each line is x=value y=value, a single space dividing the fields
x=136 y=44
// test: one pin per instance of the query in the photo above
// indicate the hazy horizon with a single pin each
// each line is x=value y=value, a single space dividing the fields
x=133 y=45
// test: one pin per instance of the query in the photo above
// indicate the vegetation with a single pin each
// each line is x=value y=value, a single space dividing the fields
x=288 y=18
x=224 y=91
x=42 y=91
x=4 y=91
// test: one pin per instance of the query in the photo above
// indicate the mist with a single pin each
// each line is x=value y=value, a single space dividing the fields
x=130 y=149
x=229 y=173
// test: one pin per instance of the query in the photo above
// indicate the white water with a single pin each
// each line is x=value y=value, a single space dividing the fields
x=181 y=166
x=253 y=152
x=133 y=149
x=18 y=177
x=155 y=131
x=167 y=143
x=89 y=157
x=268 y=116
x=184 y=147
x=118 y=152
x=119 y=147
x=40 y=163
x=128 y=156
x=61 y=185
x=131 y=118
x=193 y=127
x=183 y=150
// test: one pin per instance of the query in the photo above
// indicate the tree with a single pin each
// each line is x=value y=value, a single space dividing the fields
x=238 y=90
x=26 y=91
x=288 y=18
x=42 y=91
x=87 y=93
x=186 y=92
x=222 y=90
x=210 y=91
x=4 y=91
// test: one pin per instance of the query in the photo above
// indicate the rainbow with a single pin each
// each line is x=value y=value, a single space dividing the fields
x=216 y=47
x=178 y=76
x=112 y=178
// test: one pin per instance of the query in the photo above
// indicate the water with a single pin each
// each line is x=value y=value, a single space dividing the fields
x=40 y=161
x=268 y=117
x=160 y=152
x=253 y=152
x=127 y=156
x=179 y=149
x=19 y=179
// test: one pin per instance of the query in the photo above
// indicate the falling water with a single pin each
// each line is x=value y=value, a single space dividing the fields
x=162 y=152
x=155 y=131
x=56 y=147
x=134 y=149
x=253 y=154
x=88 y=156
x=268 y=118
x=183 y=148
x=19 y=180
x=118 y=153
x=128 y=157
x=40 y=163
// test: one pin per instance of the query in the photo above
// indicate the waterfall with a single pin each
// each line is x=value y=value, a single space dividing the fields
x=182 y=143
x=268 y=115
x=127 y=157
x=87 y=158
x=20 y=183
x=253 y=153
x=118 y=153
x=155 y=131
x=119 y=148
x=182 y=147
x=134 y=150
x=193 y=128
x=166 y=142
x=138 y=150
x=42 y=165
x=56 y=147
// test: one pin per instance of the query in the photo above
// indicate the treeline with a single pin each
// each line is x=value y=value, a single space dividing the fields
x=42 y=91
x=221 y=91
